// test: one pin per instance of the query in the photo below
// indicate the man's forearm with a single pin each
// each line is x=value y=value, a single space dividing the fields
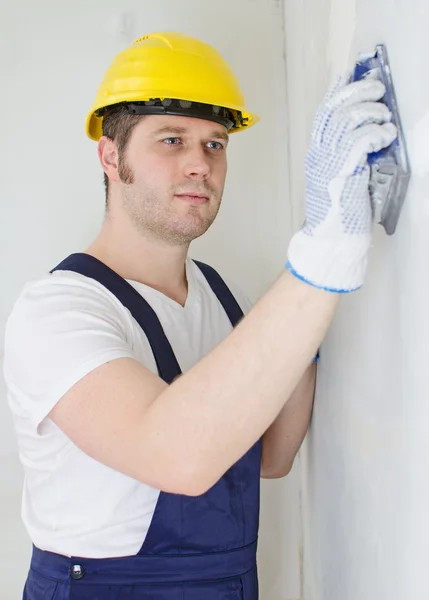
x=223 y=405
x=284 y=437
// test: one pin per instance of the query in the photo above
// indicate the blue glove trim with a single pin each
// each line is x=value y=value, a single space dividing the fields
x=320 y=287
x=316 y=358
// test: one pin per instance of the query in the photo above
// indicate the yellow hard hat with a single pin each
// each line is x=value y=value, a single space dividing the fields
x=171 y=73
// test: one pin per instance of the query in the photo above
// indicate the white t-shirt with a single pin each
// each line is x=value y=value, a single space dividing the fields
x=62 y=327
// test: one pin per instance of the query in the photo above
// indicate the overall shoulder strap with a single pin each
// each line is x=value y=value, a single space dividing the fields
x=223 y=293
x=143 y=313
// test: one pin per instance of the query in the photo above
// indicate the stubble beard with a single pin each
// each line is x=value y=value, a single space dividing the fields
x=153 y=213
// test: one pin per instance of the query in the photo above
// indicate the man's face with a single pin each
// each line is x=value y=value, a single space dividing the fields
x=172 y=176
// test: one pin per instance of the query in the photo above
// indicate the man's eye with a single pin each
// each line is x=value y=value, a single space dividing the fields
x=172 y=141
x=215 y=145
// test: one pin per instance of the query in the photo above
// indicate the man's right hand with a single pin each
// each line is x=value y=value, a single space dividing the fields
x=330 y=251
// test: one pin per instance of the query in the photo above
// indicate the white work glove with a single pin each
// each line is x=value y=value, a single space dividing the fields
x=330 y=251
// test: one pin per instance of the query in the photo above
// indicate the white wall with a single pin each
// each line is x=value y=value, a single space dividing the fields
x=365 y=482
x=52 y=56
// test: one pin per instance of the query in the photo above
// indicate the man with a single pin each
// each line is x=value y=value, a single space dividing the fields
x=142 y=482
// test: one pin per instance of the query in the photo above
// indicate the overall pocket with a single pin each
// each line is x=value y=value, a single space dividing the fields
x=38 y=587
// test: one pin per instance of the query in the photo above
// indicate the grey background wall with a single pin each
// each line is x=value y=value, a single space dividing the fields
x=52 y=57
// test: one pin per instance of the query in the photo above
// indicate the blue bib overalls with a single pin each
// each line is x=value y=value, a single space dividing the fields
x=196 y=548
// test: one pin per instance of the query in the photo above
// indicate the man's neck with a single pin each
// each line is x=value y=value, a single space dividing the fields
x=154 y=263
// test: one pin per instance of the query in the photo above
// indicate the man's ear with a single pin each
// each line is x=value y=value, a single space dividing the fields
x=108 y=155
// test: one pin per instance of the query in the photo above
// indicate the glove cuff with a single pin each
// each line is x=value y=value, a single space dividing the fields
x=337 y=264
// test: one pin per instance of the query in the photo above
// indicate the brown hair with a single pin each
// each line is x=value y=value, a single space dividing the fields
x=118 y=126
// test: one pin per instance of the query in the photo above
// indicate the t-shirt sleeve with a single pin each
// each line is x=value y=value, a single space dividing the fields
x=60 y=329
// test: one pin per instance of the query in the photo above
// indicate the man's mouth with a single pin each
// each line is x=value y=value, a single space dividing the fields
x=195 y=198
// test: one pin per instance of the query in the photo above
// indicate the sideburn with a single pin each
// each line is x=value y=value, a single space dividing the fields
x=124 y=171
